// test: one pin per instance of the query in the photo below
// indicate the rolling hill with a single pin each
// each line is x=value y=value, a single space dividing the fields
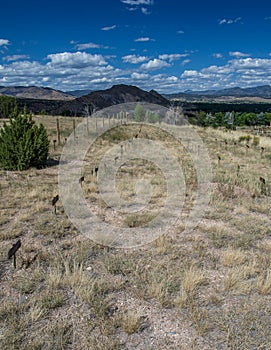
x=35 y=92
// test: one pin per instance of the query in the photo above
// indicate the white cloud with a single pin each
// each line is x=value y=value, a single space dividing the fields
x=225 y=21
x=76 y=59
x=189 y=73
x=139 y=76
x=109 y=28
x=144 y=39
x=238 y=54
x=172 y=57
x=4 y=42
x=15 y=58
x=137 y=2
x=154 y=64
x=134 y=59
x=100 y=80
x=180 y=32
x=251 y=63
x=87 y=46
x=158 y=78
x=172 y=79
x=217 y=55
x=229 y=20
x=241 y=72
x=217 y=70
x=184 y=62
x=80 y=70
x=64 y=71
x=145 y=11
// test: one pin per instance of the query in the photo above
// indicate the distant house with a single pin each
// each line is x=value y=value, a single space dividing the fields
x=209 y=117
x=229 y=118
x=260 y=118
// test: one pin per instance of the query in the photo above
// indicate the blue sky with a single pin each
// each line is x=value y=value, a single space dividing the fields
x=166 y=45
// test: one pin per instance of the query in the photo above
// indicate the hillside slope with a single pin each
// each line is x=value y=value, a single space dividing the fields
x=35 y=92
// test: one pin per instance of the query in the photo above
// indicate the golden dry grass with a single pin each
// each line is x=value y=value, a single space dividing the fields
x=68 y=292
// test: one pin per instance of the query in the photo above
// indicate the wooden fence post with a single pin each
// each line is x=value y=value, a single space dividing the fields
x=58 y=131
x=73 y=122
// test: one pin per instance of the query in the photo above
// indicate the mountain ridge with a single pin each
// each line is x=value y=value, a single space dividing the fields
x=96 y=100
x=47 y=93
x=261 y=91
x=117 y=94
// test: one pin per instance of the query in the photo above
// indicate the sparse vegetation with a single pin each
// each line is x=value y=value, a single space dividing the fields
x=207 y=289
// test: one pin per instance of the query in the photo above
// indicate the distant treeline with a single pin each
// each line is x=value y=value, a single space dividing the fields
x=7 y=106
x=227 y=114
x=212 y=107
x=231 y=119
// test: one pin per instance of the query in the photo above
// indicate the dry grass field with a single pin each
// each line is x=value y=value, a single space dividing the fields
x=207 y=289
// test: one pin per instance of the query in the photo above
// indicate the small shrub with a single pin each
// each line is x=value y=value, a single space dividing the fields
x=256 y=141
x=246 y=138
x=23 y=144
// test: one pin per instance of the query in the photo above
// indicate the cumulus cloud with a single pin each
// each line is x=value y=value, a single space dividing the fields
x=172 y=57
x=80 y=70
x=238 y=54
x=109 y=28
x=15 y=58
x=189 y=73
x=229 y=20
x=64 y=71
x=154 y=64
x=139 y=76
x=144 y=39
x=76 y=59
x=134 y=59
x=241 y=72
x=4 y=42
x=172 y=79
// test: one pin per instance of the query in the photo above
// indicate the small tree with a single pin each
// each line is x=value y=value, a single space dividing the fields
x=139 y=114
x=23 y=144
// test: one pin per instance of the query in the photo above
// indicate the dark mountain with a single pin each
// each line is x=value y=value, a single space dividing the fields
x=96 y=100
x=35 y=92
x=117 y=94
x=79 y=93
x=263 y=92
x=121 y=94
